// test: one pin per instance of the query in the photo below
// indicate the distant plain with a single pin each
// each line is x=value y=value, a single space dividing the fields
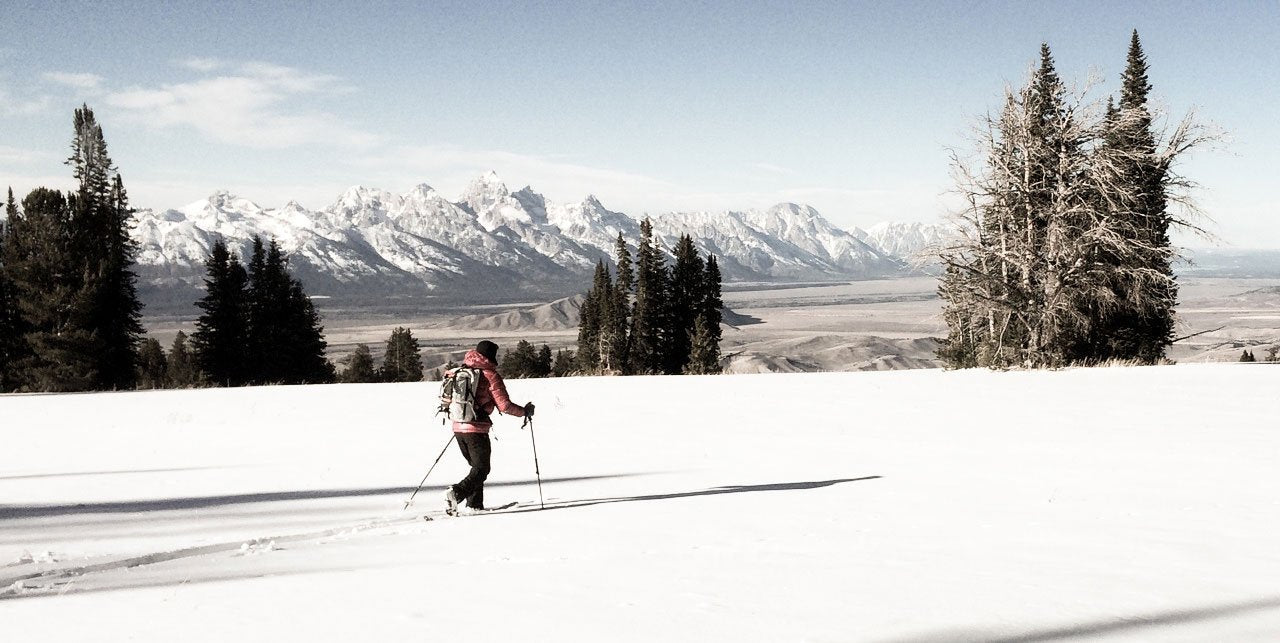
x=880 y=324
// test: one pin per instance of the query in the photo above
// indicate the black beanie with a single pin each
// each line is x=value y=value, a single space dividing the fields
x=488 y=349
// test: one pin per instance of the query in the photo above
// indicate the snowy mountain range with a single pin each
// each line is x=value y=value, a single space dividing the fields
x=492 y=243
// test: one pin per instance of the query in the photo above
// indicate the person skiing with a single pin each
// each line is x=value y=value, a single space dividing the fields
x=473 y=436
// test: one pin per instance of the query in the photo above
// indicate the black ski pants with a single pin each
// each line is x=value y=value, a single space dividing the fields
x=476 y=449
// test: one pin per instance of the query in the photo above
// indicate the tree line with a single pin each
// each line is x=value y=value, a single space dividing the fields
x=650 y=318
x=1063 y=253
x=70 y=318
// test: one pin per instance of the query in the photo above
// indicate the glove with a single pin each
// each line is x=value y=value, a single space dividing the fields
x=528 y=410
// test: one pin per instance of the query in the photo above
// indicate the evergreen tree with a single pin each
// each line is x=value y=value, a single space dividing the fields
x=304 y=345
x=1247 y=356
x=360 y=368
x=403 y=362
x=594 y=319
x=284 y=330
x=10 y=323
x=59 y=347
x=1142 y=326
x=648 y=312
x=685 y=300
x=626 y=275
x=101 y=222
x=153 y=368
x=221 y=335
x=618 y=329
x=542 y=366
x=521 y=362
x=704 y=355
x=183 y=372
x=563 y=365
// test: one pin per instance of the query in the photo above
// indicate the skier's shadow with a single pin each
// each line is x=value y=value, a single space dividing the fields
x=717 y=491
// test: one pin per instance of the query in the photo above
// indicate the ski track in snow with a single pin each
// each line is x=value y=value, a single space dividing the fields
x=1133 y=504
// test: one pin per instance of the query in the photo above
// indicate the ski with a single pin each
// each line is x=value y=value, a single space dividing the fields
x=464 y=513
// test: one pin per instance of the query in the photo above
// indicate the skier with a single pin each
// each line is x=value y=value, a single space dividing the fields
x=473 y=436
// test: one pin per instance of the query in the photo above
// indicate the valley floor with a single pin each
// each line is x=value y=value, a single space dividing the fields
x=1132 y=504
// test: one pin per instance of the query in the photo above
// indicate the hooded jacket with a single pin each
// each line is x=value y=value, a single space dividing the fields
x=491 y=393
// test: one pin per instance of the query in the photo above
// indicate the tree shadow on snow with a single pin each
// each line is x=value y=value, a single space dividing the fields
x=12 y=512
x=1094 y=629
x=751 y=488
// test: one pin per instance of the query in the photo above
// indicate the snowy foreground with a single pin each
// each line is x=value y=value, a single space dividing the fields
x=1112 y=504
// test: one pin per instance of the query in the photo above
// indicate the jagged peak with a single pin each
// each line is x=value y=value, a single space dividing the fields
x=225 y=200
x=487 y=183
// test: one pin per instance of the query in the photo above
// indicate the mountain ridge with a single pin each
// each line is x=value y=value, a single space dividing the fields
x=490 y=243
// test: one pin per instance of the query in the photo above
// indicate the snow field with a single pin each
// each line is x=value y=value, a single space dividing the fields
x=1120 y=504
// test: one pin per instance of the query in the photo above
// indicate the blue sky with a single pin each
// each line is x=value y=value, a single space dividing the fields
x=850 y=107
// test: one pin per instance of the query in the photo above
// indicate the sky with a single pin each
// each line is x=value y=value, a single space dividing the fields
x=852 y=107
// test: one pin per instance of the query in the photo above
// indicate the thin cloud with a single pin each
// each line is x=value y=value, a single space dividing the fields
x=28 y=106
x=88 y=82
x=201 y=64
x=774 y=169
x=257 y=107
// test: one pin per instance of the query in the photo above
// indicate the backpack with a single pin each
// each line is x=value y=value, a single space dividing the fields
x=458 y=394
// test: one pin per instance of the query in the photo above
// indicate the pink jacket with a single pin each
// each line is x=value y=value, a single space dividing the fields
x=491 y=393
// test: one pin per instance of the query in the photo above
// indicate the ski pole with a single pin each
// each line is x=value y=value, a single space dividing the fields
x=536 y=470
x=433 y=467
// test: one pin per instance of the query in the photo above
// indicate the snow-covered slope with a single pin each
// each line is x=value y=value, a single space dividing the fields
x=490 y=242
x=907 y=241
x=906 y=506
x=786 y=241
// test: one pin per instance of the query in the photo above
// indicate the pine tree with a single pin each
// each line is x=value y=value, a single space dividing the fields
x=594 y=317
x=618 y=329
x=1142 y=327
x=626 y=274
x=1247 y=356
x=563 y=365
x=704 y=353
x=304 y=345
x=183 y=372
x=153 y=368
x=360 y=368
x=101 y=222
x=59 y=348
x=648 y=315
x=684 y=299
x=10 y=323
x=542 y=366
x=704 y=357
x=221 y=334
x=403 y=362
x=521 y=362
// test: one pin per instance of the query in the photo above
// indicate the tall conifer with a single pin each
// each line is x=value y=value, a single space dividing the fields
x=221 y=335
x=647 y=316
x=10 y=333
x=684 y=303
x=1143 y=327
x=101 y=218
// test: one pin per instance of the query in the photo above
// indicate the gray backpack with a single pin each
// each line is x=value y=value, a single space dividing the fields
x=458 y=394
